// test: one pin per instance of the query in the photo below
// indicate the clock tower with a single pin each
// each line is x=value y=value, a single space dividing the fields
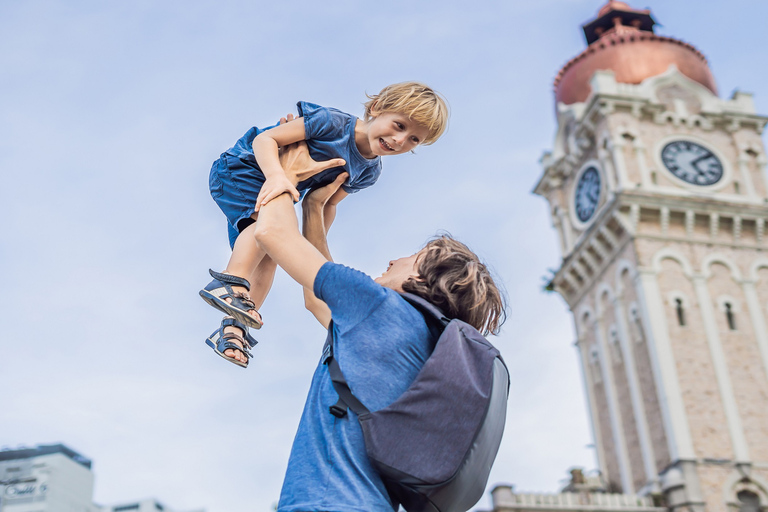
x=657 y=190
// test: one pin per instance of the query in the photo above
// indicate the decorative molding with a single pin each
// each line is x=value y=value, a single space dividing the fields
x=714 y=224
x=709 y=259
x=664 y=220
x=672 y=254
x=690 y=222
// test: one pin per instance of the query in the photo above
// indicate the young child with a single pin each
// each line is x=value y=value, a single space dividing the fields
x=249 y=175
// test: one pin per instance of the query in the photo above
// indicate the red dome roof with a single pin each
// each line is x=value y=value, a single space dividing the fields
x=622 y=40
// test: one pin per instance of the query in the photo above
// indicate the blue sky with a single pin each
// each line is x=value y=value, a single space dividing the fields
x=110 y=116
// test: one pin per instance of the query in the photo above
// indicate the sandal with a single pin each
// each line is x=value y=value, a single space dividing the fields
x=220 y=288
x=219 y=341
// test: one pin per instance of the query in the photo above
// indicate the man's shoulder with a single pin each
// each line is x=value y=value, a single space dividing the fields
x=335 y=281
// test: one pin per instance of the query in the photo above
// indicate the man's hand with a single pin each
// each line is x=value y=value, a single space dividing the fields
x=319 y=197
x=297 y=163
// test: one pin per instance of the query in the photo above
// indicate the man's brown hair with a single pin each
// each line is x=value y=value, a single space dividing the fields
x=454 y=279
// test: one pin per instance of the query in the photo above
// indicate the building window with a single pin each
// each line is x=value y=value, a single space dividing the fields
x=730 y=316
x=748 y=501
x=680 y=312
x=615 y=348
x=594 y=360
x=637 y=325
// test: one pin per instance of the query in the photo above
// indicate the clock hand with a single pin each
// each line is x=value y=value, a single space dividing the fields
x=696 y=161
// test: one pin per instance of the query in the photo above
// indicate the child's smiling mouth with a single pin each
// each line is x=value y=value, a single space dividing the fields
x=384 y=145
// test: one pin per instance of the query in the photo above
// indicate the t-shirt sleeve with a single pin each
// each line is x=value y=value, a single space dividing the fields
x=350 y=294
x=321 y=123
x=365 y=180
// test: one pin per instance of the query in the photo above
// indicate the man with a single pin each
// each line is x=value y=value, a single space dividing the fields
x=380 y=341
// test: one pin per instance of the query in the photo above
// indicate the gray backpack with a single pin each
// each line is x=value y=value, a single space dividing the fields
x=434 y=446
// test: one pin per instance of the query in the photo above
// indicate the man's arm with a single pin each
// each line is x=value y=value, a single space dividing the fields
x=277 y=229
x=277 y=232
x=315 y=224
x=329 y=211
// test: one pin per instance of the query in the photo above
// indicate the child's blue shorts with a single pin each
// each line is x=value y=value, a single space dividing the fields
x=236 y=180
x=235 y=184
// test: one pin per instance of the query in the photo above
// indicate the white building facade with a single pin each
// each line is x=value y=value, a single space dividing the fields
x=55 y=478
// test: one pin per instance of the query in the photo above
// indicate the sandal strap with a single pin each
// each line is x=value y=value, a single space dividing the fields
x=242 y=301
x=230 y=279
x=247 y=339
x=226 y=343
x=230 y=321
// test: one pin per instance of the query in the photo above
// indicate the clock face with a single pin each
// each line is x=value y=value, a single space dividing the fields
x=587 y=194
x=692 y=163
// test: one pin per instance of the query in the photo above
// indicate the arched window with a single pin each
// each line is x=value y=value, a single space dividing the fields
x=680 y=312
x=748 y=501
x=730 y=316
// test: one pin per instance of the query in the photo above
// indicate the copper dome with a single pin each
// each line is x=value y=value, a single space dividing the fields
x=621 y=39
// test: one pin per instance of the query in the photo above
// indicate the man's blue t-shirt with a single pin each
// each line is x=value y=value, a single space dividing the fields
x=330 y=133
x=381 y=343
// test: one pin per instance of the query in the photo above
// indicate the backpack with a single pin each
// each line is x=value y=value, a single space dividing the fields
x=434 y=446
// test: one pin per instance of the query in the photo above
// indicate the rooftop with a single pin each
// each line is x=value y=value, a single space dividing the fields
x=44 y=449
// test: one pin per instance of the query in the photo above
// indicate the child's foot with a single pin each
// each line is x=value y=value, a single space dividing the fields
x=235 y=335
x=229 y=294
x=232 y=342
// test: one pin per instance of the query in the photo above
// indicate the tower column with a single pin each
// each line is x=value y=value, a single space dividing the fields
x=617 y=151
x=745 y=176
x=758 y=320
x=638 y=408
x=667 y=383
x=740 y=451
x=590 y=392
x=642 y=164
x=613 y=409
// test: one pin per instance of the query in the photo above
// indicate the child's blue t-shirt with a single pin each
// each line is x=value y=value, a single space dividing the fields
x=381 y=343
x=329 y=133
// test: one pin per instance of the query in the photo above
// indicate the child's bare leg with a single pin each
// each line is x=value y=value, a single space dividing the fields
x=245 y=259
x=260 y=277
x=261 y=280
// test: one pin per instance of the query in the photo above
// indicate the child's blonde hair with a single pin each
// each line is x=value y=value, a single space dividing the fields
x=416 y=100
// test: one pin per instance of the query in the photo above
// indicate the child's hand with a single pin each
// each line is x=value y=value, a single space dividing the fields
x=273 y=187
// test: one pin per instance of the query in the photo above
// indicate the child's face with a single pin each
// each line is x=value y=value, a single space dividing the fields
x=392 y=133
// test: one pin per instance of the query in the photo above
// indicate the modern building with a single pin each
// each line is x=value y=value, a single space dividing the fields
x=657 y=190
x=149 y=505
x=47 y=478
x=658 y=193
x=55 y=478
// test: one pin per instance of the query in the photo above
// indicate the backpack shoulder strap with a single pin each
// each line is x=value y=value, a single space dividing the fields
x=346 y=398
x=435 y=318
x=436 y=321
